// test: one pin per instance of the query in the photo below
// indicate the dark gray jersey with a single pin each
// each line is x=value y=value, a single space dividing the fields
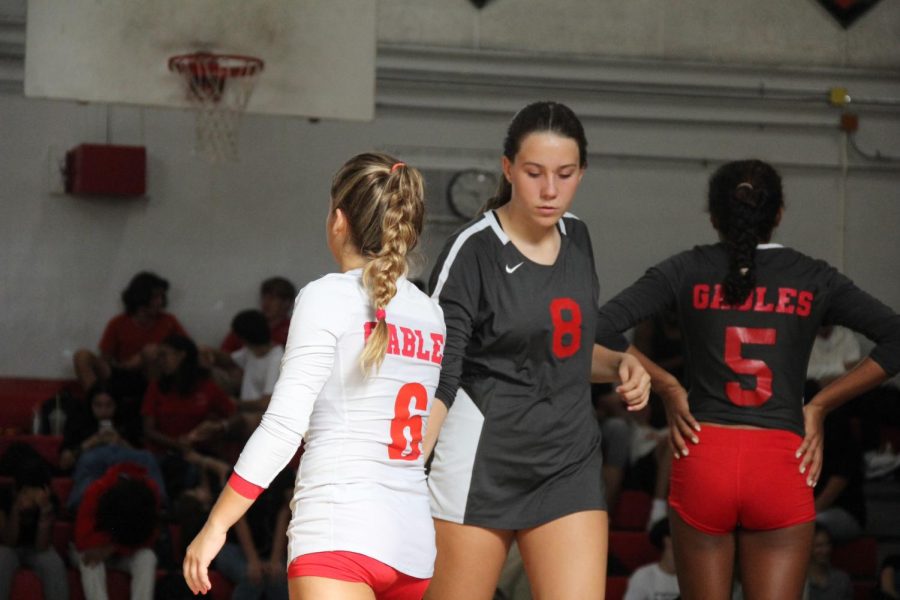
x=748 y=363
x=517 y=356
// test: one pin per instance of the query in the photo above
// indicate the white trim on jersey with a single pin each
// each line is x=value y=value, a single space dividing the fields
x=495 y=225
x=454 y=250
x=454 y=460
x=768 y=246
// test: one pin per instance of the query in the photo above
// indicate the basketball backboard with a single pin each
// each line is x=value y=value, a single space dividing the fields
x=319 y=55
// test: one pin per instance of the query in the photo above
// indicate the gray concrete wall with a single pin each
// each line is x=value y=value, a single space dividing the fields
x=772 y=32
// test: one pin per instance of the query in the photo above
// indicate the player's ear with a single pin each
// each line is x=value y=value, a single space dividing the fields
x=506 y=165
x=338 y=222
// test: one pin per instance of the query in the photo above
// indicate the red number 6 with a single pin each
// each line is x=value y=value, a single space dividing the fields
x=406 y=428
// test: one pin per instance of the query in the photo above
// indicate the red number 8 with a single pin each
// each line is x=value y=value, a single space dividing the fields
x=563 y=327
x=403 y=447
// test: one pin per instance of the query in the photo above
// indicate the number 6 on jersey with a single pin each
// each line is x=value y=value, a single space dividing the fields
x=406 y=427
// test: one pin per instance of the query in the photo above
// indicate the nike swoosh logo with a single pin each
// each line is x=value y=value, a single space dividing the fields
x=513 y=269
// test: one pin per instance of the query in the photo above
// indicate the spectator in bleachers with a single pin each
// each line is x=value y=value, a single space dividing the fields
x=656 y=581
x=97 y=422
x=27 y=514
x=116 y=526
x=253 y=557
x=183 y=407
x=276 y=302
x=835 y=351
x=184 y=411
x=839 y=494
x=256 y=364
x=824 y=582
x=128 y=347
x=889 y=579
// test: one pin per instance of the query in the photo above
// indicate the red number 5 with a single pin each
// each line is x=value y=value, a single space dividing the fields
x=735 y=338
x=563 y=327
x=406 y=428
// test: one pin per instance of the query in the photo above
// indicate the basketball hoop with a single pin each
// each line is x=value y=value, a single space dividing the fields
x=218 y=86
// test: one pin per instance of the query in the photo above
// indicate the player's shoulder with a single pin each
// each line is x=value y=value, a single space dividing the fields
x=333 y=288
x=423 y=304
x=573 y=227
x=477 y=234
x=796 y=263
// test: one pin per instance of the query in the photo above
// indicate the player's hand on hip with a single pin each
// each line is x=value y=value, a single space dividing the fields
x=682 y=424
x=810 y=450
x=635 y=387
x=199 y=555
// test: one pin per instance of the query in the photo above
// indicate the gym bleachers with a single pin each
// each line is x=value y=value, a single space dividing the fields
x=628 y=541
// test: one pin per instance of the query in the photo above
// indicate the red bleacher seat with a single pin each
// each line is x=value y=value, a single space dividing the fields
x=19 y=397
x=631 y=511
x=26 y=584
x=46 y=445
x=60 y=537
x=862 y=590
x=858 y=558
x=616 y=587
x=632 y=548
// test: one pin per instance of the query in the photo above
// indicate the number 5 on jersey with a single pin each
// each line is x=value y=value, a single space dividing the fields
x=406 y=426
x=735 y=339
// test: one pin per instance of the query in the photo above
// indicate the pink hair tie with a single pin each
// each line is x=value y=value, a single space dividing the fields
x=397 y=166
x=380 y=315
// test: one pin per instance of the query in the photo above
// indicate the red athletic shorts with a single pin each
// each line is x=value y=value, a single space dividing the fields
x=747 y=478
x=387 y=582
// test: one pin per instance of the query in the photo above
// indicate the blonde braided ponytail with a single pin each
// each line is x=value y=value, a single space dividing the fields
x=383 y=200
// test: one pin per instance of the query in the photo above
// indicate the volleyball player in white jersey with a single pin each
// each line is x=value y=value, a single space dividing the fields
x=362 y=361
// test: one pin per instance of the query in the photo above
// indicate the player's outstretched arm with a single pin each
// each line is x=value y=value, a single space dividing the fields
x=229 y=508
x=682 y=425
x=611 y=366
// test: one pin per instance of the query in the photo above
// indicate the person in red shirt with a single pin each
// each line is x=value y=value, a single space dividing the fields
x=184 y=407
x=116 y=525
x=129 y=342
x=276 y=301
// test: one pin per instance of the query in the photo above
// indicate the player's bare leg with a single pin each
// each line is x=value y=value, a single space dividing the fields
x=566 y=558
x=774 y=563
x=704 y=563
x=469 y=561
x=323 y=588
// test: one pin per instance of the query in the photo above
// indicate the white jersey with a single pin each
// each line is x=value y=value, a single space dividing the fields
x=361 y=485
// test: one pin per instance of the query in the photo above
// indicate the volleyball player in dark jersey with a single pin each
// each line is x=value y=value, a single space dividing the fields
x=749 y=311
x=519 y=453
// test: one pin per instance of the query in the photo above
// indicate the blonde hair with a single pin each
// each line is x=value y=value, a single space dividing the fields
x=383 y=201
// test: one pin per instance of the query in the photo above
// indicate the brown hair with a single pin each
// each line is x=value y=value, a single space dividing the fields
x=383 y=202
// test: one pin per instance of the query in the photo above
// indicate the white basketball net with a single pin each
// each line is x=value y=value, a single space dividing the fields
x=218 y=86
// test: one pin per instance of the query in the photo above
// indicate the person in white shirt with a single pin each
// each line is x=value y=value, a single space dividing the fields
x=255 y=364
x=360 y=368
x=656 y=581
x=835 y=351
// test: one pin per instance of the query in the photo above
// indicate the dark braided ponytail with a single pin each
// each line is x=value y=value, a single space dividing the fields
x=745 y=198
